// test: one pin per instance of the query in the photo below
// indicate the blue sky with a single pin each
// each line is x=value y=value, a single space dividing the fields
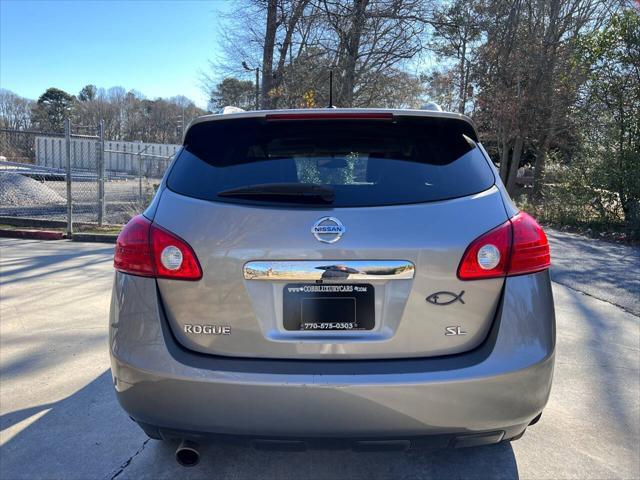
x=158 y=48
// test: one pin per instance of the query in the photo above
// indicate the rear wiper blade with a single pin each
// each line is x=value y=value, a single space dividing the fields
x=284 y=191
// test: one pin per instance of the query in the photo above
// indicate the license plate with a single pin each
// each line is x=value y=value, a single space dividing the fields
x=328 y=307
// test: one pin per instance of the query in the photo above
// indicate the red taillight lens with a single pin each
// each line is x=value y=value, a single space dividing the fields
x=133 y=251
x=183 y=265
x=517 y=246
x=146 y=249
x=500 y=237
x=530 y=251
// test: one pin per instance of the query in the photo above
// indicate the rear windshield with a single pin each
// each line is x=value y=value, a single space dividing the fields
x=362 y=162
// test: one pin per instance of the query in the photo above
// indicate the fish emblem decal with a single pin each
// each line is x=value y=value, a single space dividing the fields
x=445 y=298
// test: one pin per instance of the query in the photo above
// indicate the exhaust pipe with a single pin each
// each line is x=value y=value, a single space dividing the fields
x=188 y=453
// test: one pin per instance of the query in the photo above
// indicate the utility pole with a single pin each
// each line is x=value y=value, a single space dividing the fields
x=330 y=88
x=257 y=69
x=180 y=126
x=67 y=137
x=101 y=173
x=257 y=88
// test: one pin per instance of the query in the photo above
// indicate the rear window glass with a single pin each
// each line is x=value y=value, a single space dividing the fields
x=363 y=162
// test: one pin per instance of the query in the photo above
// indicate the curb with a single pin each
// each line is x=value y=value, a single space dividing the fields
x=57 y=235
x=94 y=237
x=27 y=222
x=32 y=234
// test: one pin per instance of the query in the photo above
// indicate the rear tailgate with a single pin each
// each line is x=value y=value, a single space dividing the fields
x=269 y=283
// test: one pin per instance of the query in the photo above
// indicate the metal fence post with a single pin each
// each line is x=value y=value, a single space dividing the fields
x=140 y=179
x=67 y=137
x=140 y=173
x=101 y=173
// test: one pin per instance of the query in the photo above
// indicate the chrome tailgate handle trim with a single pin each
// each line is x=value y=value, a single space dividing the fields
x=313 y=270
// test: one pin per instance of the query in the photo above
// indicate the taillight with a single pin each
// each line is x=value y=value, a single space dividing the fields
x=146 y=249
x=530 y=251
x=474 y=265
x=173 y=257
x=133 y=250
x=517 y=246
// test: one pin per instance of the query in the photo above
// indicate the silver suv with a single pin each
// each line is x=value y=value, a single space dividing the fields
x=351 y=276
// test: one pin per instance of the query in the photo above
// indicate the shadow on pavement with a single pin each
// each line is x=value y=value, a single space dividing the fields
x=611 y=354
x=37 y=353
x=496 y=462
x=87 y=435
x=598 y=268
x=21 y=270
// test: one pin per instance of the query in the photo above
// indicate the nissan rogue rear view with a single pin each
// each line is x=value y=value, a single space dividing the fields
x=352 y=276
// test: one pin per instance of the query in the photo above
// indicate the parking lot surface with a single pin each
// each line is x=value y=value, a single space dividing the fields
x=59 y=417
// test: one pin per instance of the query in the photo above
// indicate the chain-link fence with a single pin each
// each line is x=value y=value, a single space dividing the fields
x=77 y=176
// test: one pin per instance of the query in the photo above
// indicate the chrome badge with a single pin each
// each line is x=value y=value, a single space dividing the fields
x=208 y=329
x=454 y=330
x=328 y=230
x=445 y=298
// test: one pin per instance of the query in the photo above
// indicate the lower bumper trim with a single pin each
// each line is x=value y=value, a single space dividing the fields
x=476 y=440
x=301 y=444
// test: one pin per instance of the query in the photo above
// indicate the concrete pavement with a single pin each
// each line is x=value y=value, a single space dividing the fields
x=605 y=270
x=59 y=417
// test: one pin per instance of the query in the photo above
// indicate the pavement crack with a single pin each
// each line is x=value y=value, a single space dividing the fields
x=128 y=461
x=621 y=307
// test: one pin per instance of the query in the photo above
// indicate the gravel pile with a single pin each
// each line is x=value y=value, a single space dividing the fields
x=18 y=190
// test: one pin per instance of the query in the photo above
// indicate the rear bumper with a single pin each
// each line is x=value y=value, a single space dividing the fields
x=495 y=390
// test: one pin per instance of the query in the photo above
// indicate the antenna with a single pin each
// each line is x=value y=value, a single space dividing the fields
x=330 y=88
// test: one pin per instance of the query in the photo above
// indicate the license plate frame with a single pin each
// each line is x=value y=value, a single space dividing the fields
x=328 y=307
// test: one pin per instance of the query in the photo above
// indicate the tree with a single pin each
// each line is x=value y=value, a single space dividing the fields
x=297 y=42
x=456 y=35
x=15 y=111
x=87 y=93
x=527 y=76
x=438 y=88
x=51 y=110
x=267 y=52
x=234 y=92
x=503 y=80
x=610 y=114
x=371 y=40
x=15 y=114
x=348 y=51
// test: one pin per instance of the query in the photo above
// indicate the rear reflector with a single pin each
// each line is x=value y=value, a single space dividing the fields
x=516 y=247
x=146 y=249
x=330 y=116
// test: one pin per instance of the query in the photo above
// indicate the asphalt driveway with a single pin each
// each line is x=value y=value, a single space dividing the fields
x=59 y=417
